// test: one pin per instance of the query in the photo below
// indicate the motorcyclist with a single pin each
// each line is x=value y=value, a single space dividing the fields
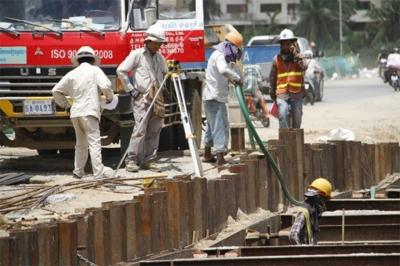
x=393 y=68
x=381 y=61
x=253 y=95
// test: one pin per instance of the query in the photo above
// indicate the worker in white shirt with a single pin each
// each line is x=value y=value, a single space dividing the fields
x=220 y=71
x=149 y=68
x=84 y=85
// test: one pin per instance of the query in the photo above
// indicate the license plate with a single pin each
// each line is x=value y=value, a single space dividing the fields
x=38 y=107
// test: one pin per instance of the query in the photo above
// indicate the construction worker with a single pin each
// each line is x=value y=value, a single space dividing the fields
x=220 y=71
x=287 y=78
x=149 y=68
x=84 y=85
x=306 y=225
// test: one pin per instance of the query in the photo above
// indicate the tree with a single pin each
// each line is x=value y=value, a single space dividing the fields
x=319 y=20
x=386 y=22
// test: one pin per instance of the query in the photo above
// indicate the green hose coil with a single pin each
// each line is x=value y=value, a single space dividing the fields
x=268 y=157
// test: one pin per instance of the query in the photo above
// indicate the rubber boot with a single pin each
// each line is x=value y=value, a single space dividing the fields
x=220 y=159
x=208 y=157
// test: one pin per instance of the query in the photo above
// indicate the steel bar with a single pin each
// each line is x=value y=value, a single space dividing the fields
x=364 y=204
x=360 y=232
x=327 y=259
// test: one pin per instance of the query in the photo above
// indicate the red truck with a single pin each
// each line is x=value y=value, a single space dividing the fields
x=38 y=39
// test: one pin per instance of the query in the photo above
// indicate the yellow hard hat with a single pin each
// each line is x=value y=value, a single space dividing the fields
x=235 y=38
x=323 y=186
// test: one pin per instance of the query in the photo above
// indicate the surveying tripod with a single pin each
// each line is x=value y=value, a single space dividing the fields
x=174 y=74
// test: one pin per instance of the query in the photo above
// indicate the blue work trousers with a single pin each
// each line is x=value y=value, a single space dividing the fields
x=217 y=131
x=295 y=106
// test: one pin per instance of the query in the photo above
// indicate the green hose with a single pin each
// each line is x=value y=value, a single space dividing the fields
x=268 y=157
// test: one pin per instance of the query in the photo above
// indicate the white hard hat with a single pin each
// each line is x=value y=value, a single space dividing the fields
x=85 y=51
x=155 y=34
x=287 y=34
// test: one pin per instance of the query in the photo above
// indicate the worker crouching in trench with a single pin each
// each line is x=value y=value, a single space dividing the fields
x=306 y=225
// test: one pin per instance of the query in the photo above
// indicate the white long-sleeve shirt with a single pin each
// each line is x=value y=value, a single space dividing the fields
x=149 y=70
x=218 y=74
x=84 y=85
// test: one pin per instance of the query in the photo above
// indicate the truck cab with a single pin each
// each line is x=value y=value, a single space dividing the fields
x=38 y=39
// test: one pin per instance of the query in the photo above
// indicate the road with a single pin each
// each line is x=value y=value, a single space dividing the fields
x=365 y=105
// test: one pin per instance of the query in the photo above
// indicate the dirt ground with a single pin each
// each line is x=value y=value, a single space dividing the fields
x=364 y=105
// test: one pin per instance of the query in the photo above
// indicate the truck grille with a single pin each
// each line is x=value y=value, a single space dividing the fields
x=33 y=81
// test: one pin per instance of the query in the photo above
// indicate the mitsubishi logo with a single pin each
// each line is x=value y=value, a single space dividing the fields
x=38 y=52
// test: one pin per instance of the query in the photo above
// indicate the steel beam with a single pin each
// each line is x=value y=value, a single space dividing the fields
x=336 y=259
x=364 y=204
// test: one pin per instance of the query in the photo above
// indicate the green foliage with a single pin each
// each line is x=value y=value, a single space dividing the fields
x=319 y=21
x=387 y=22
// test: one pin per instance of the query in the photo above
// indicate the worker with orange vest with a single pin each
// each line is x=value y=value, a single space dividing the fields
x=306 y=225
x=287 y=80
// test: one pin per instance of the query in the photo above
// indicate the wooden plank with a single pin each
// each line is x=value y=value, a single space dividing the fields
x=117 y=229
x=231 y=192
x=211 y=203
x=132 y=211
x=95 y=237
x=339 y=181
x=273 y=183
x=200 y=205
x=146 y=225
x=395 y=152
x=240 y=185
x=48 y=244
x=28 y=250
x=68 y=243
x=251 y=177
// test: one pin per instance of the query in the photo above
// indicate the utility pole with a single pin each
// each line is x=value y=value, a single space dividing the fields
x=340 y=28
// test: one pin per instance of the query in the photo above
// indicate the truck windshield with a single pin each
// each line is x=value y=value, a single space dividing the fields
x=177 y=9
x=58 y=14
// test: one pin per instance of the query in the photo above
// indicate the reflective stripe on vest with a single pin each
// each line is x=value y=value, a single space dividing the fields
x=289 y=78
x=306 y=215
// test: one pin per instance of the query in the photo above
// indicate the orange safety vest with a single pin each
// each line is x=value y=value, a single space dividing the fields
x=289 y=78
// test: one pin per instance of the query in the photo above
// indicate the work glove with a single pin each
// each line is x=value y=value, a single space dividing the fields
x=134 y=93
x=272 y=94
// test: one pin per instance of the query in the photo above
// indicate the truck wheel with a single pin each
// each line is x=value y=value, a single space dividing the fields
x=46 y=152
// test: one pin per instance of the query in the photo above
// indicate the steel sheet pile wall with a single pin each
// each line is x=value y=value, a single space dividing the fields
x=181 y=211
